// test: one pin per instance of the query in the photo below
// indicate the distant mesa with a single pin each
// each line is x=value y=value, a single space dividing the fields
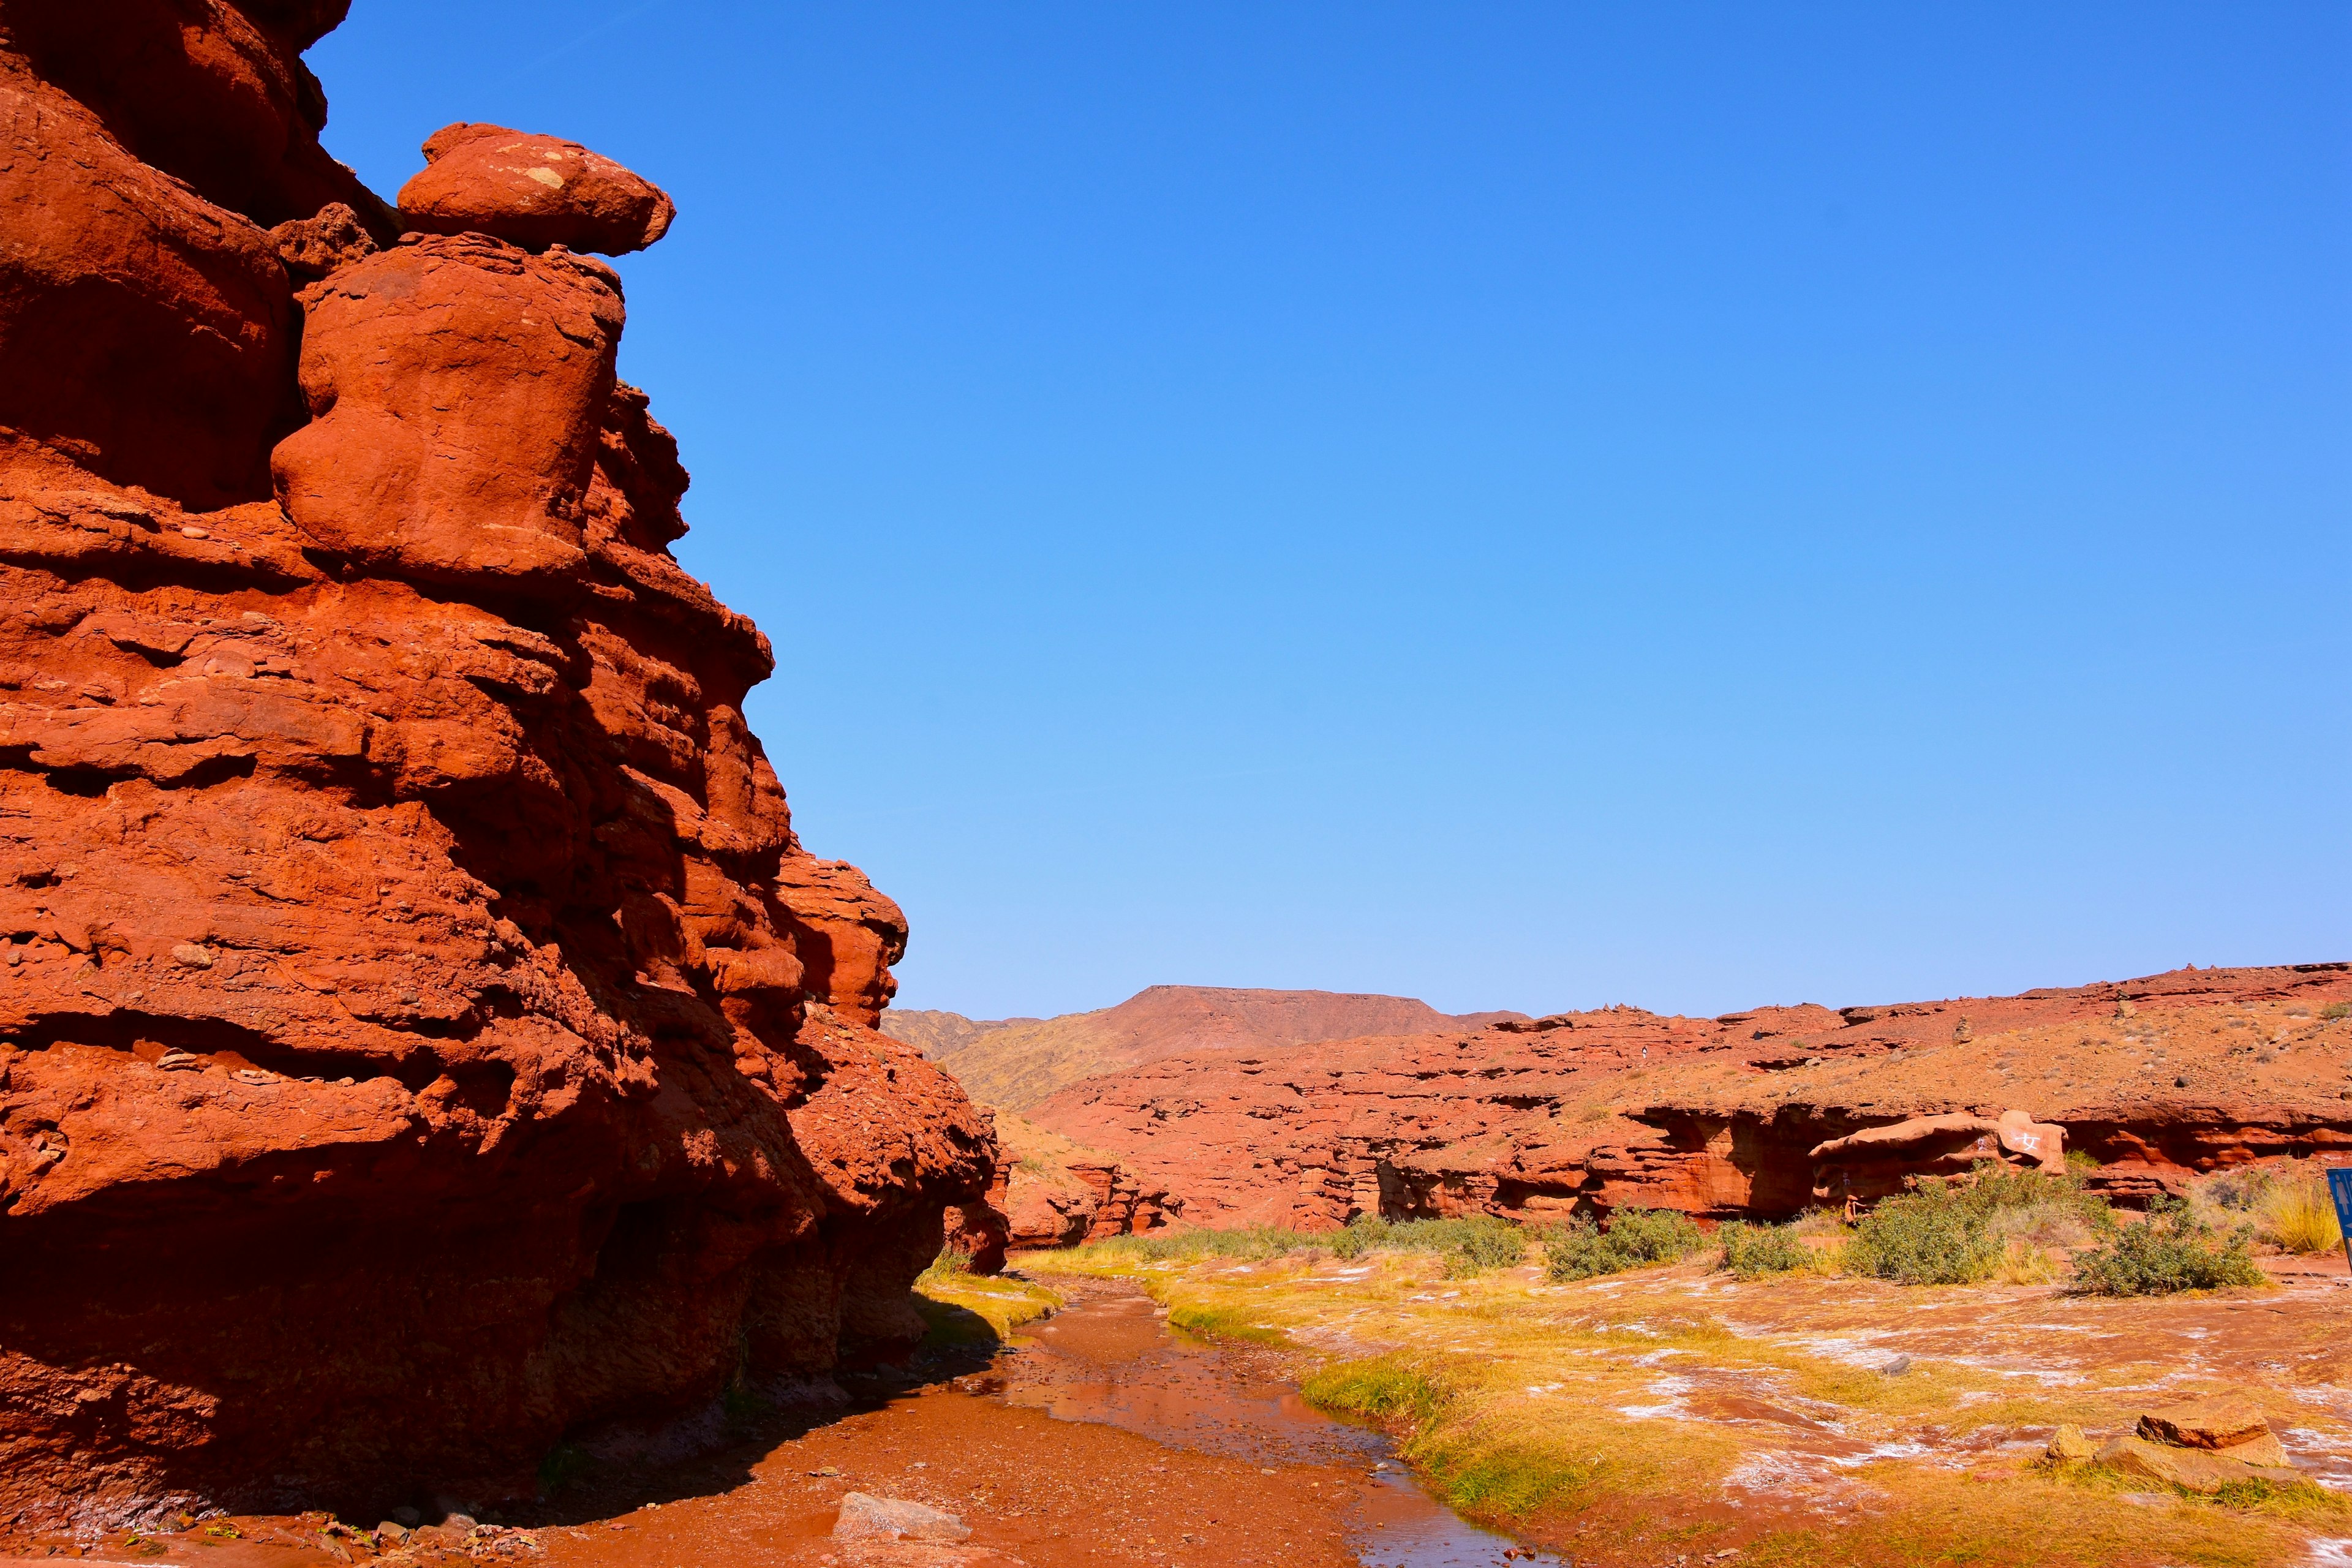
x=1219 y=1121
x=1018 y=1062
x=537 y=192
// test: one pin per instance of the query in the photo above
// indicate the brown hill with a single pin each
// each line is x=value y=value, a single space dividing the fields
x=1017 y=1062
x=2154 y=1078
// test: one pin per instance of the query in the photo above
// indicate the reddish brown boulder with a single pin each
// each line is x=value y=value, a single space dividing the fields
x=535 y=190
x=398 y=477
x=424 y=1039
x=1879 y=1161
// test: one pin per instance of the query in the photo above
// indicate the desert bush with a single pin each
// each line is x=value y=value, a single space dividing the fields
x=1248 y=1244
x=2174 y=1250
x=2051 y=1208
x=1470 y=1245
x=1636 y=1238
x=2048 y=1225
x=1998 y=1222
x=2335 y=1010
x=1655 y=1236
x=1485 y=1244
x=2298 y=1215
x=1752 y=1251
x=1931 y=1236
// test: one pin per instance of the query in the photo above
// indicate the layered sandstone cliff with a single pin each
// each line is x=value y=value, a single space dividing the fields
x=423 y=1038
x=1748 y=1115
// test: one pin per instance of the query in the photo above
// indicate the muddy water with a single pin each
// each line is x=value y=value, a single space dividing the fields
x=1110 y=1358
x=1098 y=1438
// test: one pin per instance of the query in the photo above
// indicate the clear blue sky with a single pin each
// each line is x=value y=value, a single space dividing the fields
x=1520 y=505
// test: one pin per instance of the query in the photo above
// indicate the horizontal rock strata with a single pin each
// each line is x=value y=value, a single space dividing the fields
x=423 y=1038
x=2155 y=1080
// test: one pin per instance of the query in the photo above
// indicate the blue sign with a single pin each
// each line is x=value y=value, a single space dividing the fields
x=2339 y=1187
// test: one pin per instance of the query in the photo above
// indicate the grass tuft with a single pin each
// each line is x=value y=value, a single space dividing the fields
x=2299 y=1216
x=963 y=1308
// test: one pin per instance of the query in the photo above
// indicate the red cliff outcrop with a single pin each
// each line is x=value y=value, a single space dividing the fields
x=423 y=1038
x=1748 y=1115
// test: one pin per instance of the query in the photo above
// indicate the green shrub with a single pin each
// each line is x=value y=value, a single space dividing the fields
x=2174 y=1250
x=2334 y=1010
x=1960 y=1232
x=1492 y=1243
x=1932 y=1237
x=1469 y=1246
x=1655 y=1236
x=1636 y=1238
x=1752 y=1251
x=1250 y=1244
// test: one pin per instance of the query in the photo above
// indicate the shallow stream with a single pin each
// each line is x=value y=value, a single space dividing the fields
x=1111 y=1358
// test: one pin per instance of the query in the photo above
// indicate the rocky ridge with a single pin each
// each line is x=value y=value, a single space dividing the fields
x=1018 y=1062
x=424 y=1038
x=2155 y=1080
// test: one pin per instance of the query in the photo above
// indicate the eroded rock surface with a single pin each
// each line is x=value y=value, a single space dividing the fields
x=423 y=1038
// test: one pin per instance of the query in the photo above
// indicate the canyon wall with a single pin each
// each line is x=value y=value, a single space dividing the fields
x=424 y=1039
x=2153 y=1081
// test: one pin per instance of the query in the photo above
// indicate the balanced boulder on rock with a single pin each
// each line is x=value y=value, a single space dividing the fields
x=533 y=191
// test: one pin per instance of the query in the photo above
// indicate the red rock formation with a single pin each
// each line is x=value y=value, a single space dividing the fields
x=1879 y=1161
x=2155 y=1078
x=536 y=191
x=1050 y=1191
x=423 y=1039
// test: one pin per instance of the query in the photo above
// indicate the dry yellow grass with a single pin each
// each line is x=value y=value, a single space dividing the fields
x=2299 y=1216
x=1671 y=1412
